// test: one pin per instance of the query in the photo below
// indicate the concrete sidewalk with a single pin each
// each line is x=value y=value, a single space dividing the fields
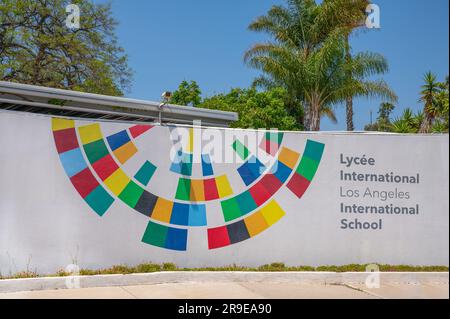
x=207 y=285
x=240 y=291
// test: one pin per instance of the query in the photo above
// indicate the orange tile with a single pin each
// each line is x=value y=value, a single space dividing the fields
x=197 y=191
x=288 y=157
x=163 y=210
x=125 y=152
x=255 y=224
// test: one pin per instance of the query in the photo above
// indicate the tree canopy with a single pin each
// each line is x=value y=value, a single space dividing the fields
x=256 y=109
x=433 y=119
x=37 y=47
x=308 y=57
x=188 y=93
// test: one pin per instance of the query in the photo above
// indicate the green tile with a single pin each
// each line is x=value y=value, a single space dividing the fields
x=246 y=203
x=145 y=173
x=230 y=209
x=307 y=168
x=184 y=189
x=275 y=137
x=155 y=235
x=131 y=194
x=99 y=200
x=95 y=151
x=314 y=150
x=241 y=150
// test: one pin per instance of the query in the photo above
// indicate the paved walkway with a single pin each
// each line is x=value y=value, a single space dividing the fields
x=244 y=290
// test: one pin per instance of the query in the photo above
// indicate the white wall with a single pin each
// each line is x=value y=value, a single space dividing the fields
x=45 y=225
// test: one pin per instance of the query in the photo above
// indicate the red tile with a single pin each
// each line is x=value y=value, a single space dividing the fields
x=138 y=130
x=271 y=183
x=211 y=192
x=84 y=182
x=298 y=185
x=269 y=147
x=218 y=237
x=259 y=194
x=65 y=140
x=105 y=166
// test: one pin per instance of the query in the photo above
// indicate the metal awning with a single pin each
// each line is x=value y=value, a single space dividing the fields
x=44 y=100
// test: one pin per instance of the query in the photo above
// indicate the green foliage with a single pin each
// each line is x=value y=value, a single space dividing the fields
x=439 y=127
x=256 y=109
x=274 y=267
x=442 y=105
x=385 y=111
x=25 y=274
x=307 y=56
x=169 y=267
x=401 y=126
x=383 y=123
x=36 y=47
x=428 y=96
x=433 y=119
x=188 y=93
x=408 y=122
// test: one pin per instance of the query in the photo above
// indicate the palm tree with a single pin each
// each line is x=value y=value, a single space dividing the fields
x=308 y=59
x=356 y=22
x=351 y=15
x=401 y=126
x=406 y=123
x=428 y=96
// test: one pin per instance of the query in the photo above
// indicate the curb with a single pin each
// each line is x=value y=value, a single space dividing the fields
x=321 y=278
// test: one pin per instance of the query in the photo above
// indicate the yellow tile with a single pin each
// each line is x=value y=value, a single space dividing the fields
x=125 y=152
x=62 y=124
x=90 y=133
x=288 y=157
x=190 y=147
x=163 y=210
x=117 y=182
x=255 y=224
x=197 y=191
x=223 y=186
x=272 y=212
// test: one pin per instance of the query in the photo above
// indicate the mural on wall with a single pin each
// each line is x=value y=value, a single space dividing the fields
x=96 y=162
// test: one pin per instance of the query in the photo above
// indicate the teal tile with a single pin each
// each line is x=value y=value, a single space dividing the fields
x=314 y=150
x=145 y=173
x=99 y=200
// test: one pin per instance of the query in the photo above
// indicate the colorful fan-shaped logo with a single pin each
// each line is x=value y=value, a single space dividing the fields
x=95 y=163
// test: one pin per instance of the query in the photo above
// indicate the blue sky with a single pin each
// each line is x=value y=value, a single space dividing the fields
x=204 y=40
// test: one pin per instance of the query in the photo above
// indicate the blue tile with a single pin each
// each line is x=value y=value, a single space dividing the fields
x=206 y=165
x=176 y=239
x=281 y=171
x=197 y=215
x=180 y=214
x=117 y=140
x=182 y=164
x=73 y=162
x=250 y=170
x=176 y=167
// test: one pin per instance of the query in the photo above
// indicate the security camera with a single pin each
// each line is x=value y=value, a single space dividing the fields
x=166 y=95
